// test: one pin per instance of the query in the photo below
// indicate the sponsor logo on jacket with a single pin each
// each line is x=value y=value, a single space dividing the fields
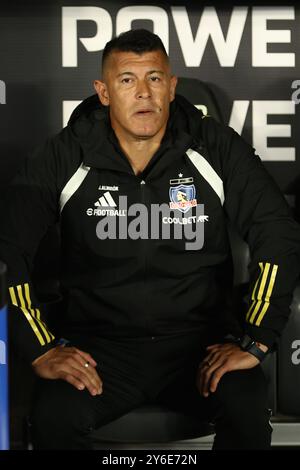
x=105 y=206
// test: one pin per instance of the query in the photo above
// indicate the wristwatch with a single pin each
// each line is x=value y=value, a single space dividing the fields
x=248 y=344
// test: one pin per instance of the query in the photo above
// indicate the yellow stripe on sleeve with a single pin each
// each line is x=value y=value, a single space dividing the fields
x=253 y=296
x=29 y=316
x=260 y=302
x=260 y=292
x=13 y=296
x=268 y=295
x=37 y=315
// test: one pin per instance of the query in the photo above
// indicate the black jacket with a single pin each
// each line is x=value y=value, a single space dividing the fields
x=148 y=283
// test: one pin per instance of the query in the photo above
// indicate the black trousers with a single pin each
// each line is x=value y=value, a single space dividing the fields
x=158 y=370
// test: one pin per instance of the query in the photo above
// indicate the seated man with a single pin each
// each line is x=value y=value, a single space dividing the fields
x=143 y=186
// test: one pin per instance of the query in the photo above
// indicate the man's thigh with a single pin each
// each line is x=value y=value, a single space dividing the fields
x=58 y=400
x=236 y=391
x=60 y=412
x=181 y=393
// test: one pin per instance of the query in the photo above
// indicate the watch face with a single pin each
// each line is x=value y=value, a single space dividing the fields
x=247 y=342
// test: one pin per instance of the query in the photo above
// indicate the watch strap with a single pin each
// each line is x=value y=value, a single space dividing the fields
x=248 y=344
x=257 y=352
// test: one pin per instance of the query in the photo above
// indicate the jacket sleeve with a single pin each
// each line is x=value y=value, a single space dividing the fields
x=28 y=208
x=257 y=208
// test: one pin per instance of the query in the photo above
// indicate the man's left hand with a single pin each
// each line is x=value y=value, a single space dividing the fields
x=222 y=358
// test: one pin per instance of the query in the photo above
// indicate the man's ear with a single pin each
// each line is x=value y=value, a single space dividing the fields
x=102 y=92
x=173 y=87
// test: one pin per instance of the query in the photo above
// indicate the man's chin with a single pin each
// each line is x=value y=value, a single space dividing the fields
x=144 y=134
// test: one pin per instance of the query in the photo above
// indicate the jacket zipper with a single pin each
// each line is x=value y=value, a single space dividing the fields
x=143 y=241
x=144 y=250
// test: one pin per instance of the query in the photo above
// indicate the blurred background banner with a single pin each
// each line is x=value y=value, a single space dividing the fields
x=4 y=428
x=50 y=53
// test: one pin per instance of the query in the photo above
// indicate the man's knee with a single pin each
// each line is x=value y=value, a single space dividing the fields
x=58 y=422
x=242 y=417
x=247 y=386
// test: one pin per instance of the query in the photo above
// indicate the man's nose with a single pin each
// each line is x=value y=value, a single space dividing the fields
x=143 y=90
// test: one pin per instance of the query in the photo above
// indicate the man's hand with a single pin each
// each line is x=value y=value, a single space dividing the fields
x=72 y=365
x=222 y=358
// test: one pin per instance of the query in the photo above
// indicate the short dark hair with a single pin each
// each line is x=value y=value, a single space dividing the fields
x=136 y=40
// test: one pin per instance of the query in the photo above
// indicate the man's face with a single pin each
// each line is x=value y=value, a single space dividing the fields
x=138 y=88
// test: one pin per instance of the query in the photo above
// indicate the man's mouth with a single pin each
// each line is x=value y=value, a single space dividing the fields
x=142 y=112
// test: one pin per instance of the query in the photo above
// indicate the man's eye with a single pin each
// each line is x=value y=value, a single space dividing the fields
x=155 y=79
x=126 y=80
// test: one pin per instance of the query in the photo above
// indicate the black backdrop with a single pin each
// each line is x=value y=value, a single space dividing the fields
x=50 y=53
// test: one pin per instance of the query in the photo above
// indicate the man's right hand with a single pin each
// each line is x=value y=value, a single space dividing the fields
x=72 y=365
